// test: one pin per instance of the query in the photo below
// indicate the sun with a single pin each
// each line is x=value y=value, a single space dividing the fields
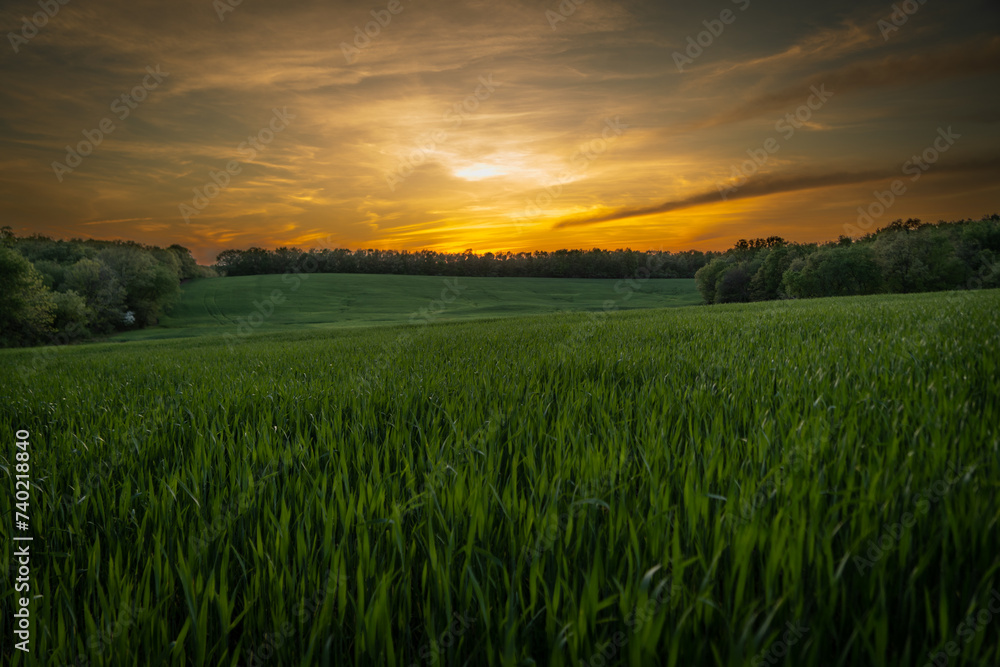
x=480 y=171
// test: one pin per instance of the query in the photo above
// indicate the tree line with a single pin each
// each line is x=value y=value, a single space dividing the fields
x=62 y=291
x=905 y=256
x=58 y=291
x=594 y=263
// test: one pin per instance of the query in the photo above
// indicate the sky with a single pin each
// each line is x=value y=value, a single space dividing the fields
x=494 y=126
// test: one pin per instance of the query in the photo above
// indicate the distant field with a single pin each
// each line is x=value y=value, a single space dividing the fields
x=310 y=301
x=799 y=483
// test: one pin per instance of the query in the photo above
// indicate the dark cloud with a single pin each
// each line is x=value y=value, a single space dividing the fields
x=779 y=183
x=879 y=73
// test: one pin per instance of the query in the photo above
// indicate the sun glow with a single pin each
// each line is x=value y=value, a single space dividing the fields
x=479 y=172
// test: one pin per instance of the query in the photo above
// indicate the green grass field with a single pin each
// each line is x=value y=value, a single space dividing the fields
x=307 y=301
x=808 y=483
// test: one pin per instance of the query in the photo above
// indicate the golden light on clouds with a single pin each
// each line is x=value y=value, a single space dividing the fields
x=494 y=127
x=479 y=171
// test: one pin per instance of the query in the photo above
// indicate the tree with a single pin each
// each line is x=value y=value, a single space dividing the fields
x=53 y=273
x=839 y=270
x=919 y=262
x=152 y=293
x=72 y=314
x=798 y=283
x=766 y=283
x=707 y=276
x=150 y=287
x=188 y=267
x=910 y=225
x=26 y=305
x=733 y=284
x=104 y=295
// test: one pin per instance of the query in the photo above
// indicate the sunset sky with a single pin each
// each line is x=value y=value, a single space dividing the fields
x=493 y=125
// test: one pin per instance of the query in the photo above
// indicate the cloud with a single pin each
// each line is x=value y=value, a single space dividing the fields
x=826 y=44
x=357 y=122
x=772 y=184
x=895 y=70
